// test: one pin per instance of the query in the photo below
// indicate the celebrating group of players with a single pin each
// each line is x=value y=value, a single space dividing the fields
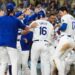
x=42 y=36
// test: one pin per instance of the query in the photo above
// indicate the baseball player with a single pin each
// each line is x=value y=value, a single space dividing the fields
x=19 y=16
x=52 y=47
x=66 y=41
x=26 y=43
x=8 y=36
x=42 y=33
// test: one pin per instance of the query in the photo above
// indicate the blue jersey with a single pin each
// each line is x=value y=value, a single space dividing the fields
x=41 y=14
x=26 y=46
x=33 y=17
x=8 y=30
x=29 y=18
x=26 y=20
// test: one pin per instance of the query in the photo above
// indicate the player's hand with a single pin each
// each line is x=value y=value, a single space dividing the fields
x=24 y=32
x=58 y=25
x=27 y=28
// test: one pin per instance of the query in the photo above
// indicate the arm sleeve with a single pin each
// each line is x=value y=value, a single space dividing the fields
x=63 y=27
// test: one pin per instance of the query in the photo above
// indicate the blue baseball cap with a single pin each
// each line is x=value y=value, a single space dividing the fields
x=10 y=7
x=41 y=14
x=18 y=14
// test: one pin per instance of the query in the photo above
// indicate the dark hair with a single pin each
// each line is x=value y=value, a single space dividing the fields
x=9 y=8
x=51 y=13
x=63 y=9
x=8 y=12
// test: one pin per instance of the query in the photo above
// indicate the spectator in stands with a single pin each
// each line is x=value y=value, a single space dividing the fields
x=73 y=9
x=68 y=5
x=1 y=12
x=25 y=3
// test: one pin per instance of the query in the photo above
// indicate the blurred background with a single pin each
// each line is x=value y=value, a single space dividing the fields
x=47 y=4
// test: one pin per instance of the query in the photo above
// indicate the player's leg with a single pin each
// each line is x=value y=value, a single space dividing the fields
x=19 y=63
x=13 y=54
x=9 y=72
x=53 y=69
x=3 y=60
x=45 y=64
x=70 y=59
x=64 y=44
x=19 y=51
x=60 y=66
x=35 y=53
x=25 y=57
x=6 y=72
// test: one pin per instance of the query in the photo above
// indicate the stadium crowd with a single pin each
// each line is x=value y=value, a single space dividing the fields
x=47 y=5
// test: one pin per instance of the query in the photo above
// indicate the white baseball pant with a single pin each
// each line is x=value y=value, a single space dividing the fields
x=20 y=59
x=12 y=53
x=60 y=64
x=18 y=45
x=24 y=57
x=70 y=59
x=40 y=49
x=51 y=54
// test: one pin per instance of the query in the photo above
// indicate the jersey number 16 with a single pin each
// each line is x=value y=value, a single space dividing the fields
x=43 y=30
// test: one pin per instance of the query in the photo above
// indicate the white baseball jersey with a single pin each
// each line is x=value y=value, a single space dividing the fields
x=70 y=21
x=43 y=31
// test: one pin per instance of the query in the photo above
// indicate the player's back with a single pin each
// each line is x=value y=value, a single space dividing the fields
x=70 y=21
x=43 y=31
